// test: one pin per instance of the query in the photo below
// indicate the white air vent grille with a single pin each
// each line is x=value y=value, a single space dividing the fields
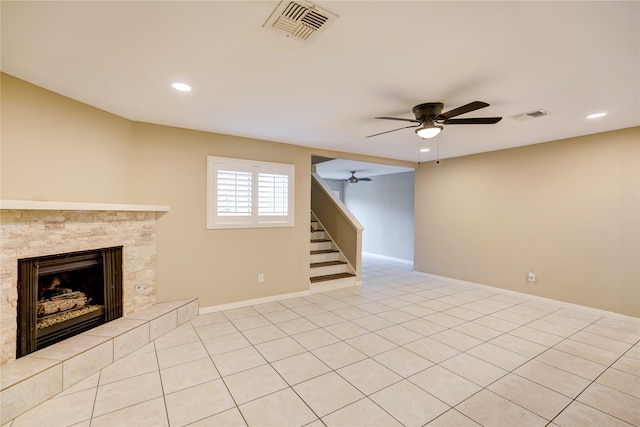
x=530 y=115
x=299 y=19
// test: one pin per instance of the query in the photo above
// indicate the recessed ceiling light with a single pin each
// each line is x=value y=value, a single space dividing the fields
x=182 y=87
x=596 y=115
x=424 y=150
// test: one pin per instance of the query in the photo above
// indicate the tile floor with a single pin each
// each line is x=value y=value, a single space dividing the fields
x=403 y=349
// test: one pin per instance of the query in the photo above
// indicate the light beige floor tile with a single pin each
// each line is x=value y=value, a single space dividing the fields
x=522 y=309
x=351 y=313
x=361 y=413
x=578 y=415
x=482 y=307
x=489 y=409
x=399 y=335
x=498 y=356
x=308 y=310
x=534 y=397
x=372 y=323
x=586 y=351
x=225 y=343
x=423 y=327
x=315 y=393
x=453 y=418
x=455 y=339
x=129 y=366
x=346 y=330
x=177 y=337
x=552 y=328
x=584 y=314
x=296 y=326
x=435 y=305
x=463 y=313
x=624 y=335
x=477 y=331
x=332 y=305
x=621 y=381
x=196 y=403
x=537 y=336
x=250 y=322
x=217 y=329
x=89 y=382
x=280 y=349
x=187 y=375
x=497 y=324
x=568 y=321
x=315 y=339
x=280 y=316
x=239 y=313
x=400 y=315
x=369 y=376
x=268 y=307
x=263 y=334
x=301 y=367
x=238 y=360
x=601 y=342
x=403 y=362
x=60 y=411
x=628 y=365
x=254 y=383
x=409 y=404
x=432 y=350
x=180 y=354
x=283 y=408
x=473 y=369
x=556 y=379
x=519 y=345
x=151 y=413
x=325 y=319
x=444 y=319
x=120 y=394
x=445 y=385
x=570 y=363
x=209 y=318
x=629 y=324
x=371 y=344
x=338 y=355
x=229 y=418
x=374 y=307
x=612 y=402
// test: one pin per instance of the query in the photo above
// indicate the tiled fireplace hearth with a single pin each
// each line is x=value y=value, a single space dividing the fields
x=30 y=229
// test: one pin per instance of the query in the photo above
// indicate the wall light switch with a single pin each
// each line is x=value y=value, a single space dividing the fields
x=260 y=278
x=531 y=277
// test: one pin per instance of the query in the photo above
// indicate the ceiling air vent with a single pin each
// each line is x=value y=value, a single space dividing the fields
x=299 y=19
x=530 y=115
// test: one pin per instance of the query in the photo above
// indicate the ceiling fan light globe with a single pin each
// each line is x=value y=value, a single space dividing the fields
x=428 y=130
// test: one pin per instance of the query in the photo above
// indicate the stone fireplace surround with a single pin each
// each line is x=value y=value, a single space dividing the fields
x=30 y=229
x=33 y=229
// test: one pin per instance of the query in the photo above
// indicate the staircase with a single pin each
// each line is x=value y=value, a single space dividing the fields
x=328 y=268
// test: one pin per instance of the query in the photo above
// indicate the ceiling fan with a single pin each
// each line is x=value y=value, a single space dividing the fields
x=353 y=179
x=430 y=118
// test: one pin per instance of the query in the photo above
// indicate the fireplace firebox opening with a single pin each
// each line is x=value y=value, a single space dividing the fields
x=63 y=295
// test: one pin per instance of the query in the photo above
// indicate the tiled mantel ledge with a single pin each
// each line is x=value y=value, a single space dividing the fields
x=46 y=205
x=30 y=380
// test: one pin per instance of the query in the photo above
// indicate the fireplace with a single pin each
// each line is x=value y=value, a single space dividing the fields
x=62 y=295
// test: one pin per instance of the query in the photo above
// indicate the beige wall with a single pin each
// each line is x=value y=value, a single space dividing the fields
x=50 y=144
x=567 y=210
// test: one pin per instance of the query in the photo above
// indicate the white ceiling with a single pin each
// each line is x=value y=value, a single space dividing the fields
x=378 y=58
x=341 y=169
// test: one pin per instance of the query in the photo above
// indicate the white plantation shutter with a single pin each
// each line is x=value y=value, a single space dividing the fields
x=243 y=193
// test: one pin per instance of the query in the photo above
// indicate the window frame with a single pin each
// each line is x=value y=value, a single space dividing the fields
x=254 y=220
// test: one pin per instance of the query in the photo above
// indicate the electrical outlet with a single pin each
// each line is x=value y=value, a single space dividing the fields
x=260 y=278
x=531 y=277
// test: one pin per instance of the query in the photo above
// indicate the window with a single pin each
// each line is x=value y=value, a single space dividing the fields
x=248 y=193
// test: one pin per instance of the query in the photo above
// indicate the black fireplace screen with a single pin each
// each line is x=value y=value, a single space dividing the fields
x=60 y=296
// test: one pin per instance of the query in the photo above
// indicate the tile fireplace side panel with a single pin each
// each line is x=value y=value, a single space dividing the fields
x=32 y=233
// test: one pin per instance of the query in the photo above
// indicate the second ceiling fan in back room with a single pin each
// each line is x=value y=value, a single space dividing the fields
x=431 y=120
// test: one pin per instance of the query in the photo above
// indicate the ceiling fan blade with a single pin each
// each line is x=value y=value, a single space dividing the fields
x=473 y=121
x=393 y=130
x=398 y=118
x=472 y=106
x=364 y=179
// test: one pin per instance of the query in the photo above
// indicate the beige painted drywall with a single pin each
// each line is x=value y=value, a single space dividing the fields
x=51 y=144
x=567 y=210
x=55 y=148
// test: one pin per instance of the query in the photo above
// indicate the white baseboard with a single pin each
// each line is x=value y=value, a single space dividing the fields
x=404 y=261
x=565 y=304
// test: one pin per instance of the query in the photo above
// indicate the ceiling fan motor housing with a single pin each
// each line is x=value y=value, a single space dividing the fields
x=429 y=110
